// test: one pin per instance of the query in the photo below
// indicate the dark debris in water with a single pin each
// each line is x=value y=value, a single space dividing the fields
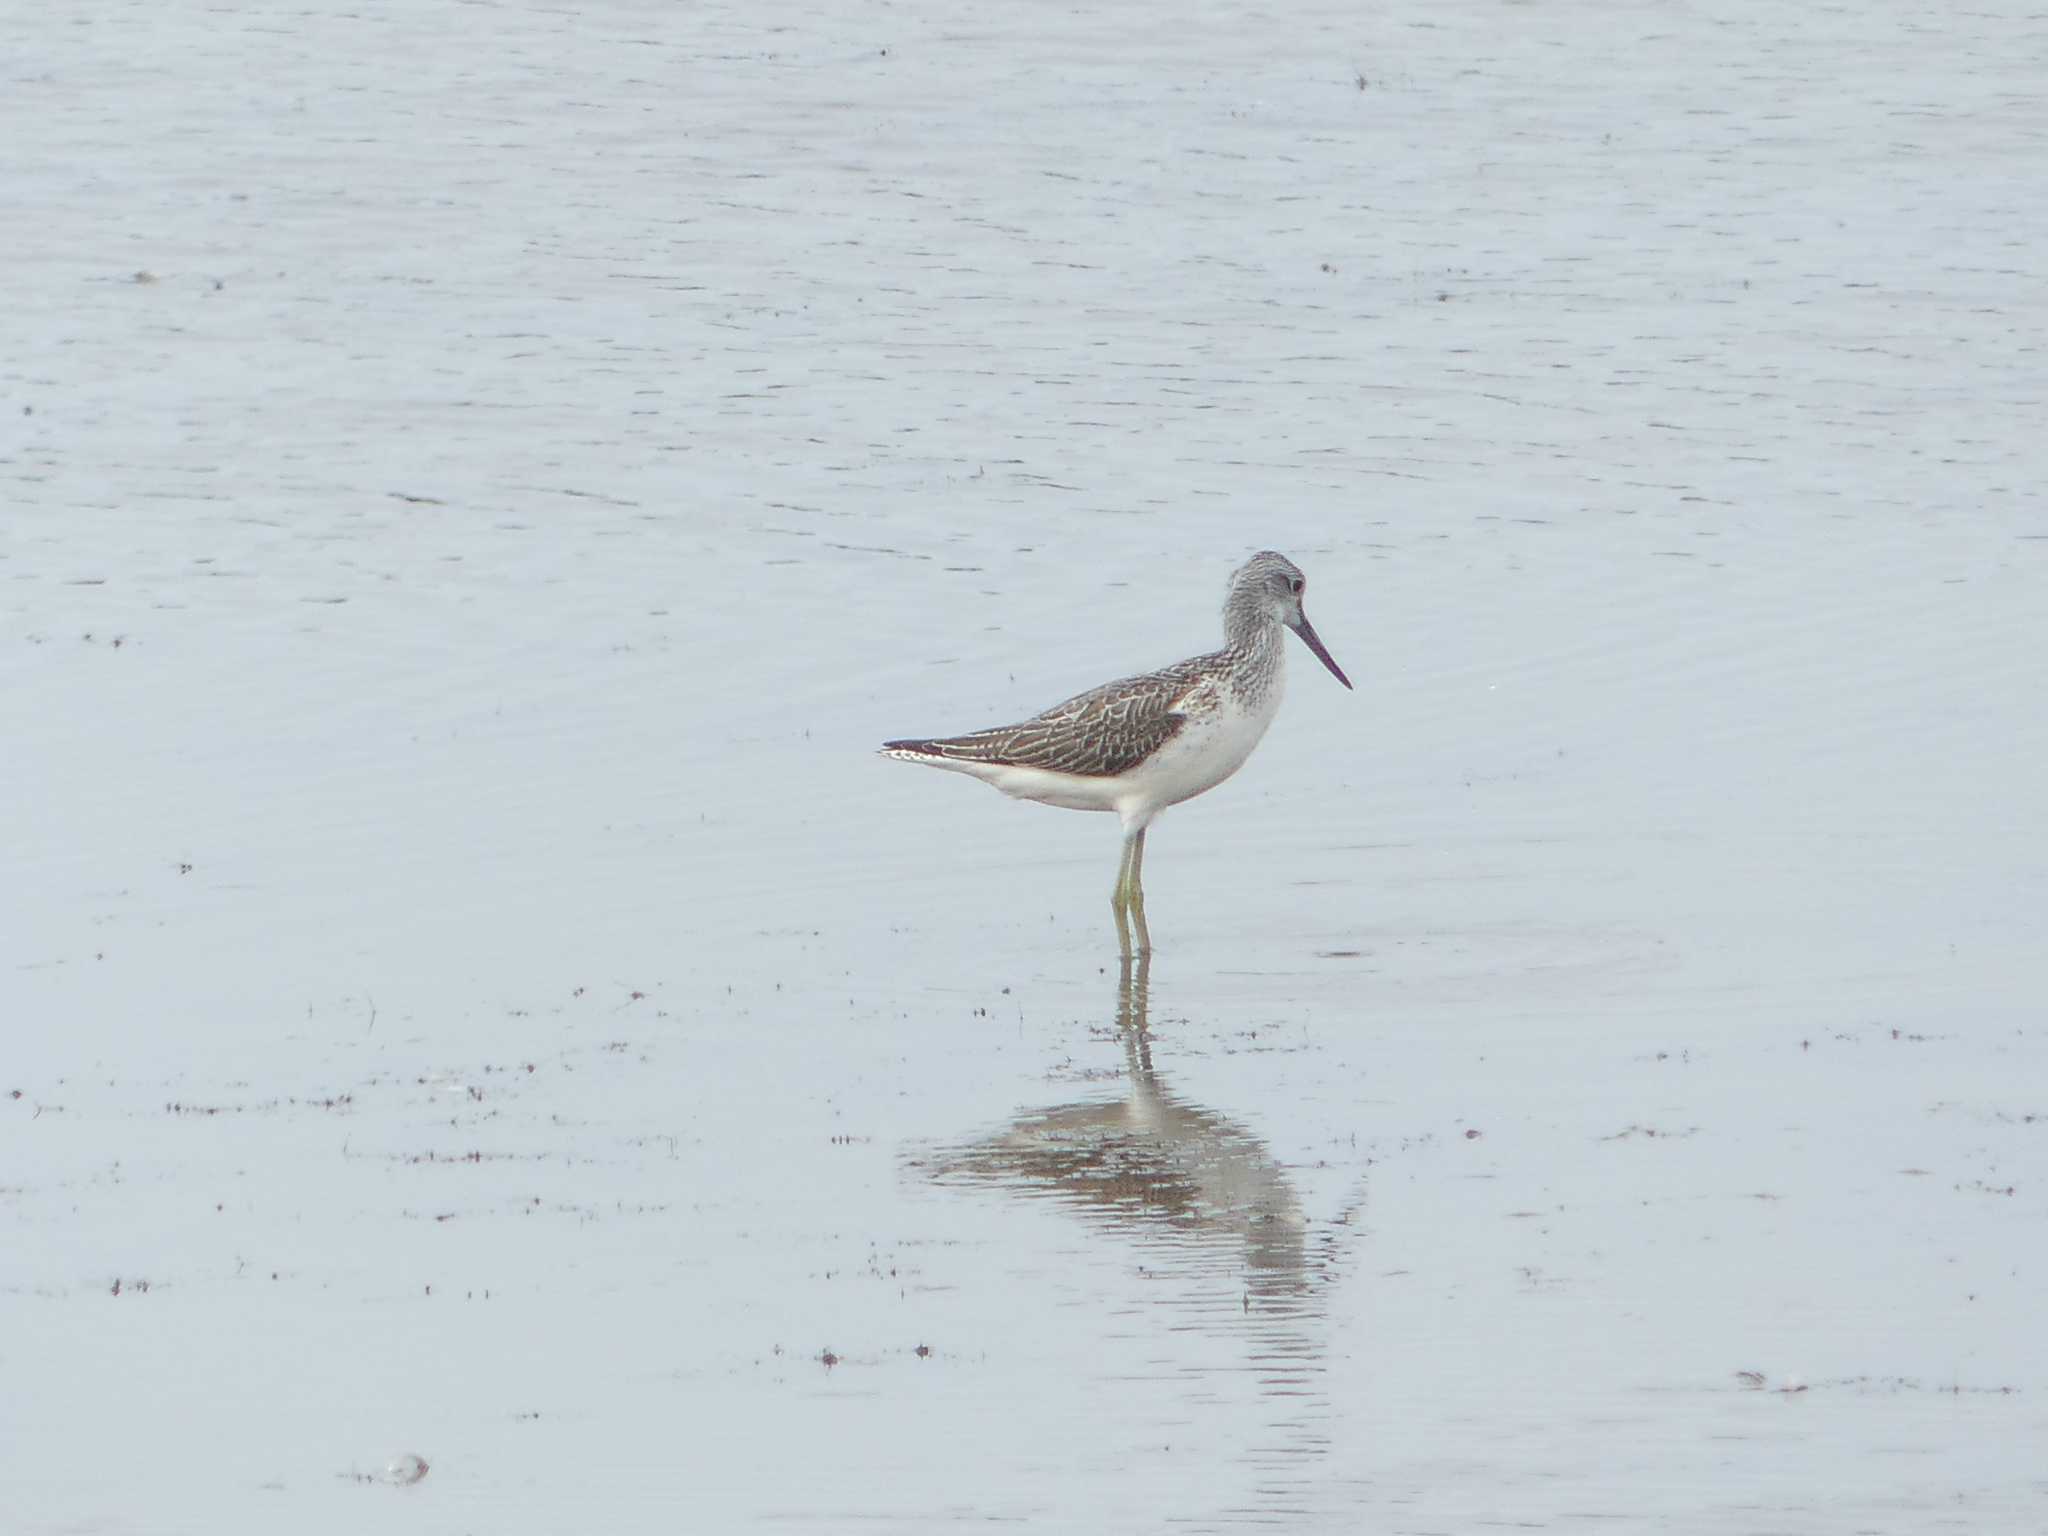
x=1793 y=1386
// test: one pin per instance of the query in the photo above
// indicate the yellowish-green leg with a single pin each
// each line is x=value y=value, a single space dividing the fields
x=1118 y=899
x=1136 y=896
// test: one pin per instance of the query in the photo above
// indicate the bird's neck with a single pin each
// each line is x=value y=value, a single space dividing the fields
x=1248 y=624
x=1253 y=643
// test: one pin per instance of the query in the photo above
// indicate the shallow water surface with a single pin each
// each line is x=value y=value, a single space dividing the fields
x=489 y=1046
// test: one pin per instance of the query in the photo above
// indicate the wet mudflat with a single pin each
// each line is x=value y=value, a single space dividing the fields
x=489 y=1047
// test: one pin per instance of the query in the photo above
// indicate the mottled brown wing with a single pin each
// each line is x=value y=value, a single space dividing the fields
x=1098 y=734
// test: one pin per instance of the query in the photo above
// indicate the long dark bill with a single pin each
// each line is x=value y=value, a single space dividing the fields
x=1314 y=642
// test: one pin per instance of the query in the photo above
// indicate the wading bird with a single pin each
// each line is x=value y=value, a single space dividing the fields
x=1143 y=743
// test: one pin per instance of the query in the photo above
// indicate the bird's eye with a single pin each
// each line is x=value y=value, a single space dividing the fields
x=1294 y=585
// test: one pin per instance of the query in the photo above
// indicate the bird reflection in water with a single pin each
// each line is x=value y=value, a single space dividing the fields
x=1158 y=1167
x=1206 y=1199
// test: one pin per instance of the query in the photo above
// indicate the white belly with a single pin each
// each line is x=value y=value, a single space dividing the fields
x=1202 y=754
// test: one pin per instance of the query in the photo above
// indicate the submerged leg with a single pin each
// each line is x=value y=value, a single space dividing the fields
x=1136 y=897
x=1131 y=1003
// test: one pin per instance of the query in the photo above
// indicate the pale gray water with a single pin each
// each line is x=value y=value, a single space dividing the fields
x=470 y=984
